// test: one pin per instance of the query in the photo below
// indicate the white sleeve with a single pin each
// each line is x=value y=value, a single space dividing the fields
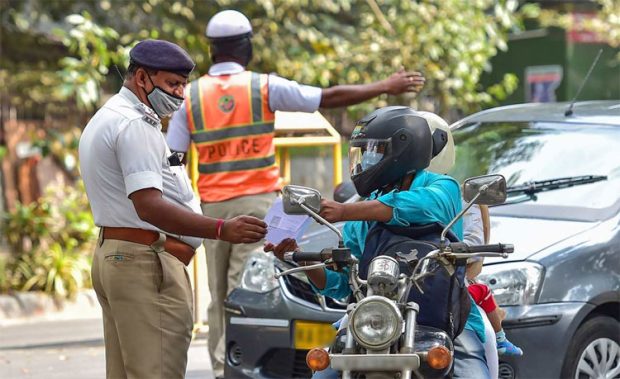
x=140 y=150
x=178 y=137
x=473 y=229
x=290 y=96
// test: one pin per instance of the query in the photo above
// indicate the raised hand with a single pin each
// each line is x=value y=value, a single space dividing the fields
x=404 y=81
x=243 y=229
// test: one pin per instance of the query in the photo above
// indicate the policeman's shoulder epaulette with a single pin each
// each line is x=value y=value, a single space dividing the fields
x=148 y=114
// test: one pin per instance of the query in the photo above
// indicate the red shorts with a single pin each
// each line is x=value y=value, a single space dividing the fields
x=482 y=296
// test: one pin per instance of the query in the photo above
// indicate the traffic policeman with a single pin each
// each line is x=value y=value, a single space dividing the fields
x=229 y=115
x=150 y=220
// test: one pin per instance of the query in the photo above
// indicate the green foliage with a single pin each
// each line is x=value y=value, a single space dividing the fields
x=52 y=241
x=58 y=270
x=321 y=43
x=4 y=275
x=450 y=41
x=62 y=145
x=91 y=46
x=507 y=86
x=24 y=227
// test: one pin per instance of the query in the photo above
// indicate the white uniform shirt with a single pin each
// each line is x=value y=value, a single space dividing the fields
x=284 y=95
x=473 y=228
x=120 y=153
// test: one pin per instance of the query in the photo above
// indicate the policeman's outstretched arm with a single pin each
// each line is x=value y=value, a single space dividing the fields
x=399 y=82
x=154 y=209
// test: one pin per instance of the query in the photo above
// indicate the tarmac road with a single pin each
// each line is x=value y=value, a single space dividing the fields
x=70 y=349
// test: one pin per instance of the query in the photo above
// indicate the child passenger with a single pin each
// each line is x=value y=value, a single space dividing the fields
x=476 y=230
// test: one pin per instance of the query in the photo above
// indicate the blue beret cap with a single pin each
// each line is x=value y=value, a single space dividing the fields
x=162 y=55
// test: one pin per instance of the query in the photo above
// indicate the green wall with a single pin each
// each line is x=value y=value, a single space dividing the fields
x=544 y=47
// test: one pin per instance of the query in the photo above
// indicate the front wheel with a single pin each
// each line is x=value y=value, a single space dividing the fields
x=595 y=350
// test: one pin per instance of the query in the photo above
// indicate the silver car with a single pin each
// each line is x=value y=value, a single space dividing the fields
x=561 y=286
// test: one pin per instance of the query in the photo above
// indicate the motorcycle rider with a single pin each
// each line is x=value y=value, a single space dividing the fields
x=390 y=150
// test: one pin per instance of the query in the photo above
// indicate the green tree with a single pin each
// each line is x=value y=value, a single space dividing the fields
x=321 y=43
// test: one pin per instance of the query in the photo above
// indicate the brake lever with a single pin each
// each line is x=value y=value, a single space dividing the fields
x=469 y=255
x=278 y=275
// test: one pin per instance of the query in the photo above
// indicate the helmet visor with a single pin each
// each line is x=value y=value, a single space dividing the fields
x=365 y=153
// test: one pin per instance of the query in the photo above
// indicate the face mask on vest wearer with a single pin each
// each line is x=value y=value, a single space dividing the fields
x=163 y=103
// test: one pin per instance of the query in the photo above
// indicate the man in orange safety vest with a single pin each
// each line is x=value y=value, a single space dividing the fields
x=229 y=115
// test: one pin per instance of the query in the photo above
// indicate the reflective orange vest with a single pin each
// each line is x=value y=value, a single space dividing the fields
x=233 y=128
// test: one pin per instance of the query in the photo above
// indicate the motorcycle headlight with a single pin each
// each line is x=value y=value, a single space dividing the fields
x=258 y=273
x=514 y=283
x=376 y=323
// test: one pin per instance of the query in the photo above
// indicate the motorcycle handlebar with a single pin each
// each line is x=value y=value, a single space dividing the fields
x=306 y=256
x=500 y=248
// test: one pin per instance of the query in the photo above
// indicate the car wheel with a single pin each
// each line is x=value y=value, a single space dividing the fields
x=594 y=351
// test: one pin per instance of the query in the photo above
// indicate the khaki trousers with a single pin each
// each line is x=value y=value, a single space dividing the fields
x=146 y=298
x=224 y=264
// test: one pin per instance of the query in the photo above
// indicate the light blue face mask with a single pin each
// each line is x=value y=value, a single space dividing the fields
x=163 y=103
x=370 y=158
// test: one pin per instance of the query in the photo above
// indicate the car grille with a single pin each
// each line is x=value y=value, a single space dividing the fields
x=301 y=289
x=286 y=363
x=304 y=291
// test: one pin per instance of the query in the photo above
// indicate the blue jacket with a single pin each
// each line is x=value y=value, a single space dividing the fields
x=430 y=198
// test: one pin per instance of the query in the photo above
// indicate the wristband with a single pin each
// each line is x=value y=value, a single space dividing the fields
x=218 y=228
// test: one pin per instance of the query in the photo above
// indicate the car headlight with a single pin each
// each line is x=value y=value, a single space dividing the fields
x=376 y=323
x=258 y=273
x=514 y=283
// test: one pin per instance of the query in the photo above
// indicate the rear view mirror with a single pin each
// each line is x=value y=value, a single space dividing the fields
x=486 y=189
x=294 y=196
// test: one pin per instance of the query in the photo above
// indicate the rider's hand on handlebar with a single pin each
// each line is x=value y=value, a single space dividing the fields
x=332 y=211
x=284 y=246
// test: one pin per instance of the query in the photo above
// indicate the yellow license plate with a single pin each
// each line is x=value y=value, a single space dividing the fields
x=308 y=335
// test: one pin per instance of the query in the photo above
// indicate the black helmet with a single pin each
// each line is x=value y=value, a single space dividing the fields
x=390 y=143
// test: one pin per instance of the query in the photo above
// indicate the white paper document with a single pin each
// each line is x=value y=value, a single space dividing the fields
x=281 y=226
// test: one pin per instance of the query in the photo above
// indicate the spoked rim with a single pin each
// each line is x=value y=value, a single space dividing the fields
x=599 y=360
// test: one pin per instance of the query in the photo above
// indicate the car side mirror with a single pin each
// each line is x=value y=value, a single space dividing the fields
x=294 y=196
x=485 y=190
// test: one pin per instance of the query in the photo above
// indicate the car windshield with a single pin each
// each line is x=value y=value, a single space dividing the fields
x=534 y=151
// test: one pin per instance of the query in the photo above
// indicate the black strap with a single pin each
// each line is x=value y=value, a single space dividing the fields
x=419 y=231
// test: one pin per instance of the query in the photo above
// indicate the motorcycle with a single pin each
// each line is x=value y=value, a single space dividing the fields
x=379 y=336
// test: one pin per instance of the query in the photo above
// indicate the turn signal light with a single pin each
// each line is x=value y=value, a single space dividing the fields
x=439 y=357
x=317 y=359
